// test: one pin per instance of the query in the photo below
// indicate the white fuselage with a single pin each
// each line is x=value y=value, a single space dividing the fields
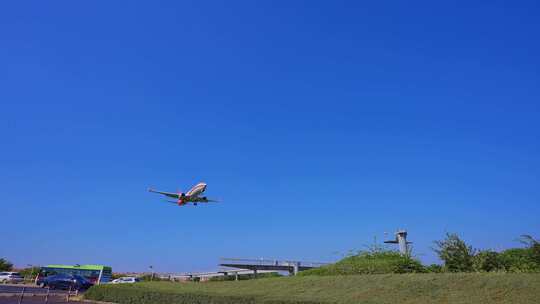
x=196 y=190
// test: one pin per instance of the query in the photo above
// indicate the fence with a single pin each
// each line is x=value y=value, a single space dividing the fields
x=32 y=294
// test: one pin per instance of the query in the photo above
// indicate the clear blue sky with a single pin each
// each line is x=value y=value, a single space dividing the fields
x=319 y=124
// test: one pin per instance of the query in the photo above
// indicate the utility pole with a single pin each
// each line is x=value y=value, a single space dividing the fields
x=152 y=271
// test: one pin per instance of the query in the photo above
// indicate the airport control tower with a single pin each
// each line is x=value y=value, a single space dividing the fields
x=401 y=240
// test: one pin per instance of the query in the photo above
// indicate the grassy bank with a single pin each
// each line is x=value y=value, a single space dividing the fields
x=475 y=288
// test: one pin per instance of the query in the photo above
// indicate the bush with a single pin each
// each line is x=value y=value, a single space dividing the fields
x=434 y=268
x=487 y=260
x=518 y=260
x=377 y=262
x=522 y=259
x=460 y=257
x=456 y=254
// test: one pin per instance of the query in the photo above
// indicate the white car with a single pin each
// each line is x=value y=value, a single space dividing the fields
x=126 y=280
x=10 y=277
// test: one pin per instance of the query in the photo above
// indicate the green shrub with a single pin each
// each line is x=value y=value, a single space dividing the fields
x=434 y=268
x=379 y=262
x=518 y=260
x=460 y=257
x=487 y=260
x=455 y=253
x=522 y=259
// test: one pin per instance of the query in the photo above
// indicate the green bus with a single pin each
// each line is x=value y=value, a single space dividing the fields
x=96 y=274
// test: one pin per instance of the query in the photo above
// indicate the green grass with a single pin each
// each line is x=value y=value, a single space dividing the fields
x=370 y=262
x=514 y=288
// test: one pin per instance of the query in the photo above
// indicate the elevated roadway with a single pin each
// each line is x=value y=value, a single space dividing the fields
x=293 y=267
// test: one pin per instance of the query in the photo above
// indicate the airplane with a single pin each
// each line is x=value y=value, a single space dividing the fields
x=192 y=196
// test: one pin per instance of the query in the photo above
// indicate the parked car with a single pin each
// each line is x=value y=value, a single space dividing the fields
x=126 y=280
x=10 y=277
x=63 y=281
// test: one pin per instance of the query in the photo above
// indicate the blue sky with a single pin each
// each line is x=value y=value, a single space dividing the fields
x=320 y=125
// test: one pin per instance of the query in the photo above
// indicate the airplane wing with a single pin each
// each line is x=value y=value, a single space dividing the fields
x=173 y=195
x=176 y=203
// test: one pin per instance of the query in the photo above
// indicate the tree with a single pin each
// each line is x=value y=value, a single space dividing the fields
x=533 y=246
x=455 y=253
x=5 y=265
x=523 y=259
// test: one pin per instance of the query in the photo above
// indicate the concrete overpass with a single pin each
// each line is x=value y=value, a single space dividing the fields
x=203 y=276
x=293 y=267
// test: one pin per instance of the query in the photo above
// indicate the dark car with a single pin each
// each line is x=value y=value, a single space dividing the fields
x=63 y=281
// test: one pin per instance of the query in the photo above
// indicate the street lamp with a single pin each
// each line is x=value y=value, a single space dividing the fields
x=151 y=270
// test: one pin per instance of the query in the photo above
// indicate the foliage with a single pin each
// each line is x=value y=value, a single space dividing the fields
x=533 y=247
x=370 y=262
x=460 y=257
x=426 y=288
x=29 y=273
x=26 y=272
x=5 y=265
x=521 y=259
x=487 y=260
x=455 y=253
x=518 y=260
x=434 y=268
